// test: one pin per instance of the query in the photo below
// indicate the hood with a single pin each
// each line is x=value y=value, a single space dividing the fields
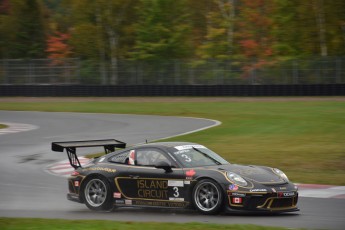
x=259 y=174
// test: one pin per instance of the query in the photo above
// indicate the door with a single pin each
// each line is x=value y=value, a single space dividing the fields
x=150 y=186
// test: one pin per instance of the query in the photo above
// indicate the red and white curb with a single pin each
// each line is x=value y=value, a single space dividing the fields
x=16 y=127
x=63 y=168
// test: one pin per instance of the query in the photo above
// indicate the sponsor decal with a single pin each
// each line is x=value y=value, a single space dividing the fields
x=233 y=187
x=238 y=194
x=187 y=182
x=259 y=190
x=153 y=189
x=172 y=156
x=159 y=203
x=286 y=194
x=128 y=202
x=117 y=195
x=183 y=147
x=248 y=171
x=237 y=200
x=190 y=173
x=109 y=170
x=181 y=151
x=119 y=202
x=176 y=198
x=76 y=183
x=282 y=188
x=175 y=183
x=273 y=190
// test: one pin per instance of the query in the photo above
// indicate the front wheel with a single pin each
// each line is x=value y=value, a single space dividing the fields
x=97 y=194
x=207 y=197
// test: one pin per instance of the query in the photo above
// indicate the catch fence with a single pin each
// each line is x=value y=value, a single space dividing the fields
x=73 y=71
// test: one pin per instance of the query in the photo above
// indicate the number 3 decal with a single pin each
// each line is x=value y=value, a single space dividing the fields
x=186 y=158
x=176 y=194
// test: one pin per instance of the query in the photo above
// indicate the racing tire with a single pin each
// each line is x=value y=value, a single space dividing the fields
x=96 y=194
x=207 y=197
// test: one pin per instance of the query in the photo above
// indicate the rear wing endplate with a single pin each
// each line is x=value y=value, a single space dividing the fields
x=71 y=146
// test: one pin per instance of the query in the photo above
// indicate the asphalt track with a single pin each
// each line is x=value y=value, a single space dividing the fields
x=26 y=190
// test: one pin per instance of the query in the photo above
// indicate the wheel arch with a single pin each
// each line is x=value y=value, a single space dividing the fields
x=220 y=186
x=213 y=179
x=89 y=177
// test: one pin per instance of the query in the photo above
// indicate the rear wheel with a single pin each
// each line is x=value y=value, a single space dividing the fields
x=97 y=194
x=207 y=196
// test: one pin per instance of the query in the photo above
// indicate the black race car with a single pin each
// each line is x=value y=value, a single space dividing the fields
x=174 y=175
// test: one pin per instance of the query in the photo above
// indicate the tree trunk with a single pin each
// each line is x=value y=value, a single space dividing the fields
x=229 y=17
x=113 y=52
x=320 y=22
x=101 y=50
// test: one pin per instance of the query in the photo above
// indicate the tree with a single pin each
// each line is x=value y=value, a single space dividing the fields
x=58 y=48
x=24 y=29
x=163 y=30
x=98 y=30
x=254 y=33
x=219 y=39
x=309 y=28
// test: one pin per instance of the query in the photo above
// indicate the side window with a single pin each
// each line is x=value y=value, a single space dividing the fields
x=120 y=158
x=150 y=157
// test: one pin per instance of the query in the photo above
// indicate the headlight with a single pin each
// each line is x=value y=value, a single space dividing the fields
x=281 y=174
x=236 y=179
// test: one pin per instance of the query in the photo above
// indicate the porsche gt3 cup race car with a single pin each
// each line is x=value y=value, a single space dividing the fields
x=174 y=175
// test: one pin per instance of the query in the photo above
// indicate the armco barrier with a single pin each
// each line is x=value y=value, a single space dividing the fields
x=171 y=90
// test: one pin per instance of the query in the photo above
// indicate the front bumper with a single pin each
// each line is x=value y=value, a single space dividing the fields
x=262 y=202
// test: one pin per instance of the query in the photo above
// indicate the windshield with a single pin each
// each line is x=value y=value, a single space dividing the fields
x=196 y=156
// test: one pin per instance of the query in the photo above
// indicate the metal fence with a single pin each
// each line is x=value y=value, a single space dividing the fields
x=39 y=71
x=330 y=70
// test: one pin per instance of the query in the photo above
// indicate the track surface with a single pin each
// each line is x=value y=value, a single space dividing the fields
x=26 y=190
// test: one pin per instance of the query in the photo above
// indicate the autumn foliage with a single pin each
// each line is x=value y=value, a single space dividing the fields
x=58 y=48
x=254 y=33
x=108 y=31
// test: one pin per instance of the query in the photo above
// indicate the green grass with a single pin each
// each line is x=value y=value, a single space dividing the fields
x=306 y=139
x=2 y=126
x=54 y=224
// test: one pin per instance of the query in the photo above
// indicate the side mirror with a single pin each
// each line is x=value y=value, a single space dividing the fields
x=164 y=165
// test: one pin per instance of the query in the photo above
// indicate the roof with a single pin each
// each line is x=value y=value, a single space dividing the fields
x=165 y=144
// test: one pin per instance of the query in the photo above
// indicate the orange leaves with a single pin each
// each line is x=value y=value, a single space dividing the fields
x=58 y=48
x=254 y=33
x=249 y=47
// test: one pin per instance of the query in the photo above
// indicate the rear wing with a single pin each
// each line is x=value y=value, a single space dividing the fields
x=71 y=146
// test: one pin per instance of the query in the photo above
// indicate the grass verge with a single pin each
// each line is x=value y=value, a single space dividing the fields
x=303 y=138
x=52 y=224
